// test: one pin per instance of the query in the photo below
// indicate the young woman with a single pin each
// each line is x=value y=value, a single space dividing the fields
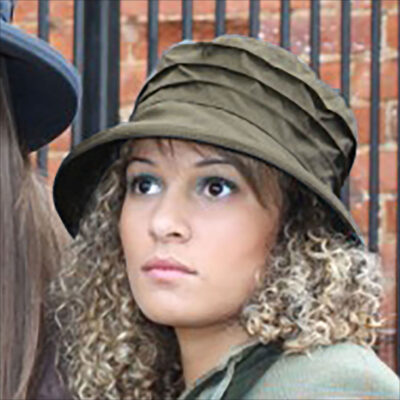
x=31 y=236
x=213 y=258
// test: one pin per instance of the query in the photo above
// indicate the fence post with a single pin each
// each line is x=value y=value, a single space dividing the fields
x=100 y=105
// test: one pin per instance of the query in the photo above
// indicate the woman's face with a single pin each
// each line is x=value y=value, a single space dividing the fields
x=193 y=233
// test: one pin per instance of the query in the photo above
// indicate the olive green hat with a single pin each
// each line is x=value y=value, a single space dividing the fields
x=237 y=93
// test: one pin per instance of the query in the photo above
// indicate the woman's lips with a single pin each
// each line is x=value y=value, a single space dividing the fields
x=166 y=269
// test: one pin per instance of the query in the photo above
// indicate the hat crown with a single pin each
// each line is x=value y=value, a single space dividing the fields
x=7 y=10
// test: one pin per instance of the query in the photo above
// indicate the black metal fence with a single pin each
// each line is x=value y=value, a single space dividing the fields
x=97 y=30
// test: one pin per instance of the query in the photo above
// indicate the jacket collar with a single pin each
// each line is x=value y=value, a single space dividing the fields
x=214 y=388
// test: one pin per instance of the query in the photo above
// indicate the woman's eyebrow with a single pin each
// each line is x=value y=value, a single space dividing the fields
x=142 y=160
x=211 y=161
x=203 y=163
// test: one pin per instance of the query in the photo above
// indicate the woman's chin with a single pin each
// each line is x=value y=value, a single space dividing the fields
x=168 y=318
x=183 y=318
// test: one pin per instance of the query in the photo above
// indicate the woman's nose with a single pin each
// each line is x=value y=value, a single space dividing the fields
x=170 y=219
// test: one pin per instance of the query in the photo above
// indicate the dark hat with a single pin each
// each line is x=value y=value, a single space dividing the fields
x=238 y=93
x=44 y=87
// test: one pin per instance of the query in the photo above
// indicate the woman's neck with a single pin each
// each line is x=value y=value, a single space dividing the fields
x=203 y=348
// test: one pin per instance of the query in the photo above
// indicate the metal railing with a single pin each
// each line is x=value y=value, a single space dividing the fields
x=97 y=29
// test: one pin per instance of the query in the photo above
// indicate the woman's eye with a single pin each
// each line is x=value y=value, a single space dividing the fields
x=216 y=187
x=144 y=184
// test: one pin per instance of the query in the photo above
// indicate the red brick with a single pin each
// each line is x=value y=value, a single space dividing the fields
x=390 y=216
x=360 y=33
x=331 y=37
x=358 y=193
x=362 y=115
x=389 y=4
x=330 y=33
x=63 y=9
x=131 y=80
x=387 y=172
x=170 y=8
x=389 y=77
x=240 y=7
x=238 y=26
x=387 y=250
x=392 y=31
x=53 y=163
x=361 y=80
x=125 y=49
x=360 y=173
x=330 y=5
x=298 y=4
x=61 y=37
x=388 y=306
x=361 y=4
x=359 y=211
x=300 y=35
x=135 y=35
x=387 y=353
x=62 y=142
x=330 y=73
x=203 y=7
x=274 y=6
x=203 y=30
x=25 y=11
x=391 y=122
x=134 y=8
x=269 y=29
x=388 y=168
x=170 y=32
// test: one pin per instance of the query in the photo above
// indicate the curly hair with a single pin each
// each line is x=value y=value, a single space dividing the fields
x=320 y=287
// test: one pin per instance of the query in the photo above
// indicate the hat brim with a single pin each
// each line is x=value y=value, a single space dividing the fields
x=82 y=170
x=45 y=88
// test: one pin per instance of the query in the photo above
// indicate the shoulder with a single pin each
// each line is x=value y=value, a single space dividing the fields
x=49 y=384
x=342 y=371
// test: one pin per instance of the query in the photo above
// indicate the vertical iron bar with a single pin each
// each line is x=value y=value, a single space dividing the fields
x=315 y=35
x=104 y=54
x=345 y=73
x=44 y=26
x=152 y=51
x=187 y=19
x=398 y=201
x=43 y=33
x=100 y=106
x=285 y=24
x=109 y=63
x=254 y=22
x=220 y=11
x=79 y=60
x=374 y=123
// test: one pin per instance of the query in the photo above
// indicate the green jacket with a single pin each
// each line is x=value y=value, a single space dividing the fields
x=259 y=372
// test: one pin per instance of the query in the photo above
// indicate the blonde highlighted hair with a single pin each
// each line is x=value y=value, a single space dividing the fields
x=320 y=288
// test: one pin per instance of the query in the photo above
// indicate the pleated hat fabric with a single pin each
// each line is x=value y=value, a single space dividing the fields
x=238 y=93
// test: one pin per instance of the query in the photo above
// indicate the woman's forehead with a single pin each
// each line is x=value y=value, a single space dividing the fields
x=170 y=147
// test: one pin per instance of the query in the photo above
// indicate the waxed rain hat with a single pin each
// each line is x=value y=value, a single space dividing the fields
x=44 y=88
x=237 y=93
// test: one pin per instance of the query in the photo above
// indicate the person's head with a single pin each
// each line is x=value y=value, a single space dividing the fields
x=249 y=212
x=261 y=251
x=30 y=247
x=31 y=114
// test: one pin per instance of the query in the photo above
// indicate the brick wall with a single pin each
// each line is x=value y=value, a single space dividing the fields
x=133 y=70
